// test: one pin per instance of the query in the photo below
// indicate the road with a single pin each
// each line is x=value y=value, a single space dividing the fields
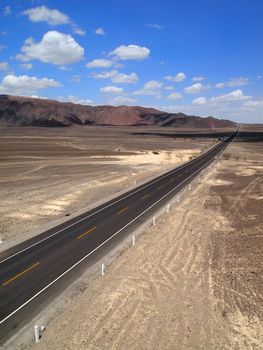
x=34 y=272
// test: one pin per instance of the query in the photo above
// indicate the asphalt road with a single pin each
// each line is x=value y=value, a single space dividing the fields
x=33 y=272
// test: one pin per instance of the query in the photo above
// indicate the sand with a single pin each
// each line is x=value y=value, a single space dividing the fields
x=193 y=281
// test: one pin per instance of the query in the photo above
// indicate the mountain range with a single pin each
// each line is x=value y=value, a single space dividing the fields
x=28 y=111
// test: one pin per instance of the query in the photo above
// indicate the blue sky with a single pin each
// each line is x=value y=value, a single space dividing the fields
x=198 y=57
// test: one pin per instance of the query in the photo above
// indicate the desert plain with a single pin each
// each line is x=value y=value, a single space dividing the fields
x=193 y=281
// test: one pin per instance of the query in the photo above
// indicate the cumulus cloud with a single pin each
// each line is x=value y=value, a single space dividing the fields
x=78 y=30
x=4 y=66
x=253 y=104
x=168 y=87
x=76 y=78
x=176 y=78
x=233 y=82
x=121 y=100
x=23 y=84
x=55 y=47
x=130 y=52
x=116 y=77
x=111 y=90
x=53 y=17
x=151 y=88
x=224 y=100
x=75 y=99
x=100 y=63
x=7 y=10
x=155 y=26
x=198 y=78
x=175 y=96
x=43 y=14
x=100 y=31
x=196 y=88
x=236 y=95
x=200 y=101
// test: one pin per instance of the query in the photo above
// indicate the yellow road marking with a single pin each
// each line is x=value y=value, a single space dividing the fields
x=85 y=233
x=20 y=274
x=145 y=196
x=121 y=211
x=160 y=187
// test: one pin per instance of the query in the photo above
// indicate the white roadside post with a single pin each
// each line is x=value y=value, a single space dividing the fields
x=177 y=199
x=190 y=187
x=133 y=240
x=154 y=223
x=168 y=208
x=102 y=269
x=37 y=338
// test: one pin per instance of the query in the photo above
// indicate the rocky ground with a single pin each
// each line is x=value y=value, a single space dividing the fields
x=193 y=281
x=48 y=174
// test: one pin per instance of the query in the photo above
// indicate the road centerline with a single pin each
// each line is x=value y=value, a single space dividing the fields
x=85 y=233
x=121 y=211
x=145 y=196
x=20 y=274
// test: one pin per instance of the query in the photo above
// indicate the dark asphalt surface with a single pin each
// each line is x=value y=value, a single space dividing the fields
x=28 y=272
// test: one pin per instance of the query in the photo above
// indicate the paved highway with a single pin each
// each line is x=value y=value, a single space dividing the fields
x=33 y=272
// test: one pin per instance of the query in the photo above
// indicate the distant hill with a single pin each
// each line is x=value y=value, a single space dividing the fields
x=29 y=111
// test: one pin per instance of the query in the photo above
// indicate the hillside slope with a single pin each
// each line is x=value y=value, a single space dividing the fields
x=29 y=111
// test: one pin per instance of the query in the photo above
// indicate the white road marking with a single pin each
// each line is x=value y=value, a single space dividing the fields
x=107 y=206
x=99 y=246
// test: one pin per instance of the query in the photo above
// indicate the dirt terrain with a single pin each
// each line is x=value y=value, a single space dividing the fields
x=193 y=281
x=49 y=174
x=17 y=110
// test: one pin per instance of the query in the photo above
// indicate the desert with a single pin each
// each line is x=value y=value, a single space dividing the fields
x=49 y=174
x=208 y=248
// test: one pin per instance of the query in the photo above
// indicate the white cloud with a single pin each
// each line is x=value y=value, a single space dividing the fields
x=55 y=47
x=100 y=31
x=64 y=68
x=236 y=95
x=176 y=78
x=43 y=14
x=253 y=105
x=76 y=78
x=151 y=88
x=175 y=96
x=155 y=26
x=26 y=66
x=77 y=100
x=23 y=84
x=78 y=30
x=4 y=66
x=168 y=87
x=200 y=101
x=198 y=78
x=122 y=78
x=233 y=82
x=111 y=90
x=121 y=100
x=7 y=10
x=100 y=63
x=116 y=77
x=196 y=88
x=130 y=52
x=2 y=47
x=37 y=96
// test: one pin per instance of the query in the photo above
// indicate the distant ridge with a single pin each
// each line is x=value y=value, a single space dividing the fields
x=29 y=111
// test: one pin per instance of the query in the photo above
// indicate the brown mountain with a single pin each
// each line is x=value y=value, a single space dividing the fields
x=29 y=111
